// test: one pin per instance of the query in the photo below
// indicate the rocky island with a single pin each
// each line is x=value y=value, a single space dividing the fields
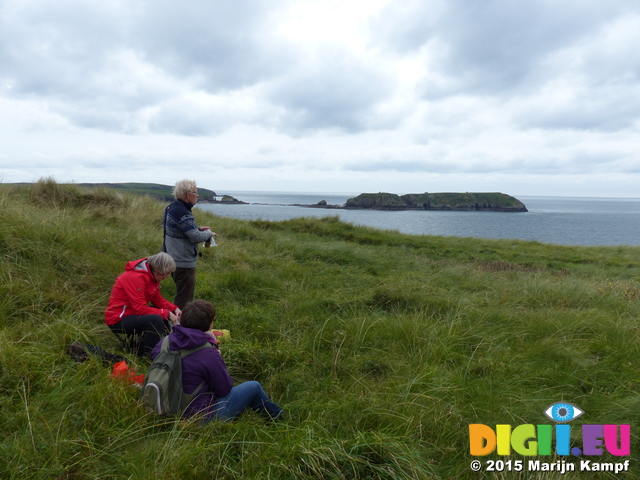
x=228 y=199
x=479 y=202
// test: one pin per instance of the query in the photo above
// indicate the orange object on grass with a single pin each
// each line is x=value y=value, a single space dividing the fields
x=122 y=371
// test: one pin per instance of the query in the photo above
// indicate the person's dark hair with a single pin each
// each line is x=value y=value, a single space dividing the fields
x=198 y=315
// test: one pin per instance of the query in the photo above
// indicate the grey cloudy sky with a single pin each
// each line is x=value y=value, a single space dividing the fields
x=527 y=97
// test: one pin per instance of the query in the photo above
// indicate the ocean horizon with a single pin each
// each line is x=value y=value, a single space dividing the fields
x=586 y=221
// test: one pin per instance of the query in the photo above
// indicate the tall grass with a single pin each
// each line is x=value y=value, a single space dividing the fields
x=382 y=347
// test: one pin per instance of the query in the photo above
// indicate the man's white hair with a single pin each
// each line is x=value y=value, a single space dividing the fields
x=183 y=187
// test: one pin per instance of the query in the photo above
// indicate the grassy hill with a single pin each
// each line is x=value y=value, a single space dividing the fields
x=153 y=190
x=382 y=347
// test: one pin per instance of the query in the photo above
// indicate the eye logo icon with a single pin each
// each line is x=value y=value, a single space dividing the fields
x=563 y=412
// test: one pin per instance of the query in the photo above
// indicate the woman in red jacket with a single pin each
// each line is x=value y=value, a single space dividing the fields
x=136 y=305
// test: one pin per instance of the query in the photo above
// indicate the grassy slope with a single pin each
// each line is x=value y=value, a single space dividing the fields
x=154 y=190
x=382 y=347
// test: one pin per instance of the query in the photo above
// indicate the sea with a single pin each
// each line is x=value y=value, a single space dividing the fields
x=554 y=220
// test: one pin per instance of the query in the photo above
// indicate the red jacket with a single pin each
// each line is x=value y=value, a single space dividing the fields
x=132 y=293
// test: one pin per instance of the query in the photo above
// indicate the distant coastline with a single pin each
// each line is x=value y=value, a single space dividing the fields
x=467 y=202
x=558 y=220
x=480 y=201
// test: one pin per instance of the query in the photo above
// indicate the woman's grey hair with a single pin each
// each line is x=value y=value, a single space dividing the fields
x=183 y=187
x=162 y=263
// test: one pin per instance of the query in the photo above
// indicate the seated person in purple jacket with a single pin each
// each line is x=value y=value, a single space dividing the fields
x=219 y=398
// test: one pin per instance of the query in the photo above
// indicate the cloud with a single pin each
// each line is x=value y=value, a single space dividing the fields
x=591 y=86
x=331 y=89
x=115 y=67
x=321 y=90
x=56 y=49
x=217 y=45
x=494 y=47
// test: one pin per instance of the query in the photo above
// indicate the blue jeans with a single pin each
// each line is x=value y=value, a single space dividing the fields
x=246 y=395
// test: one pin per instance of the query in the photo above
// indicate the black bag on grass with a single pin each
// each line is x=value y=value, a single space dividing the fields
x=82 y=351
x=162 y=391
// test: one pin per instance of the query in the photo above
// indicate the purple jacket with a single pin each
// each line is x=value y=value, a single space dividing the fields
x=204 y=365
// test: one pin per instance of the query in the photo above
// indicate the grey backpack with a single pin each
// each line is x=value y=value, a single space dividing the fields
x=162 y=391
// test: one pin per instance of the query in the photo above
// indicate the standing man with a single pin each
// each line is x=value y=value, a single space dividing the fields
x=181 y=239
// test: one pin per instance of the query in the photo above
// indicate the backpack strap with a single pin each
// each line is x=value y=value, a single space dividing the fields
x=184 y=352
x=164 y=228
x=165 y=344
x=197 y=390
